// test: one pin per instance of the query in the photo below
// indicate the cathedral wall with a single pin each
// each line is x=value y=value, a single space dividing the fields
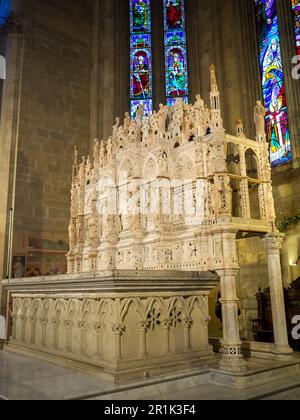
x=54 y=116
x=211 y=39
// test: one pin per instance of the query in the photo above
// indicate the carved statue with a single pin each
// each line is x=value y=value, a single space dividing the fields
x=146 y=127
x=116 y=128
x=259 y=119
x=102 y=154
x=162 y=118
x=109 y=151
x=140 y=113
x=127 y=121
x=96 y=151
x=81 y=173
x=164 y=165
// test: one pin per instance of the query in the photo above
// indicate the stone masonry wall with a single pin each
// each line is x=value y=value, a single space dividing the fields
x=54 y=116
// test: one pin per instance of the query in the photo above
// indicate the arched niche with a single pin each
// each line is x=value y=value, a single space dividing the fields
x=251 y=164
x=235 y=185
x=150 y=169
x=233 y=159
x=253 y=174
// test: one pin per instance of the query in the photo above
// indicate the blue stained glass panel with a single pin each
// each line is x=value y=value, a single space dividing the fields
x=172 y=101
x=176 y=74
x=4 y=11
x=176 y=66
x=273 y=86
x=147 y=105
x=140 y=55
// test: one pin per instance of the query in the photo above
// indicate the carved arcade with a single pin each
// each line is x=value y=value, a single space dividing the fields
x=210 y=178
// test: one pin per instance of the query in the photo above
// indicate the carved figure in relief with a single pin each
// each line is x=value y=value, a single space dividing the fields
x=102 y=154
x=127 y=121
x=146 y=127
x=109 y=151
x=162 y=118
x=140 y=113
x=259 y=119
x=116 y=128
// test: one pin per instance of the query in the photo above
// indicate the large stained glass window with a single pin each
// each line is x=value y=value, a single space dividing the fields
x=273 y=86
x=175 y=51
x=140 y=56
x=4 y=11
x=296 y=13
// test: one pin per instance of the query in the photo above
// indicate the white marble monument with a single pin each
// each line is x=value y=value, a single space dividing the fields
x=155 y=212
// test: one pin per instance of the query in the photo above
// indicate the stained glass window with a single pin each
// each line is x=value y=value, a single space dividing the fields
x=176 y=66
x=4 y=11
x=296 y=13
x=140 y=56
x=273 y=86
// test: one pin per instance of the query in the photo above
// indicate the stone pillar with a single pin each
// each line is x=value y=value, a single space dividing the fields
x=44 y=323
x=187 y=323
x=23 y=319
x=226 y=258
x=98 y=329
x=14 y=326
x=232 y=358
x=68 y=327
x=273 y=245
x=118 y=330
x=33 y=329
x=82 y=325
x=143 y=331
x=166 y=329
x=55 y=324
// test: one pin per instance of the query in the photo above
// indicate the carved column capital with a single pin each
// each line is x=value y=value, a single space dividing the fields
x=167 y=324
x=206 y=321
x=68 y=324
x=273 y=242
x=55 y=322
x=188 y=322
x=32 y=318
x=118 y=329
x=98 y=327
x=143 y=326
x=82 y=325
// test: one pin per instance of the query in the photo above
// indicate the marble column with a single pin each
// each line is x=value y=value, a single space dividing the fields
x=118 y=330
x=232 y=358
x=143 y=327
x=273 y=245
x=226 y=257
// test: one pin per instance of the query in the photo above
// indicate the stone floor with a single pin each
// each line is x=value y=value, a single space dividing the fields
x=27 y=378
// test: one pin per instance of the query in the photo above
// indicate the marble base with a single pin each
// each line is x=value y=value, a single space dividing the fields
x=255 y=375
x=266 y=351
x=123 y=324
